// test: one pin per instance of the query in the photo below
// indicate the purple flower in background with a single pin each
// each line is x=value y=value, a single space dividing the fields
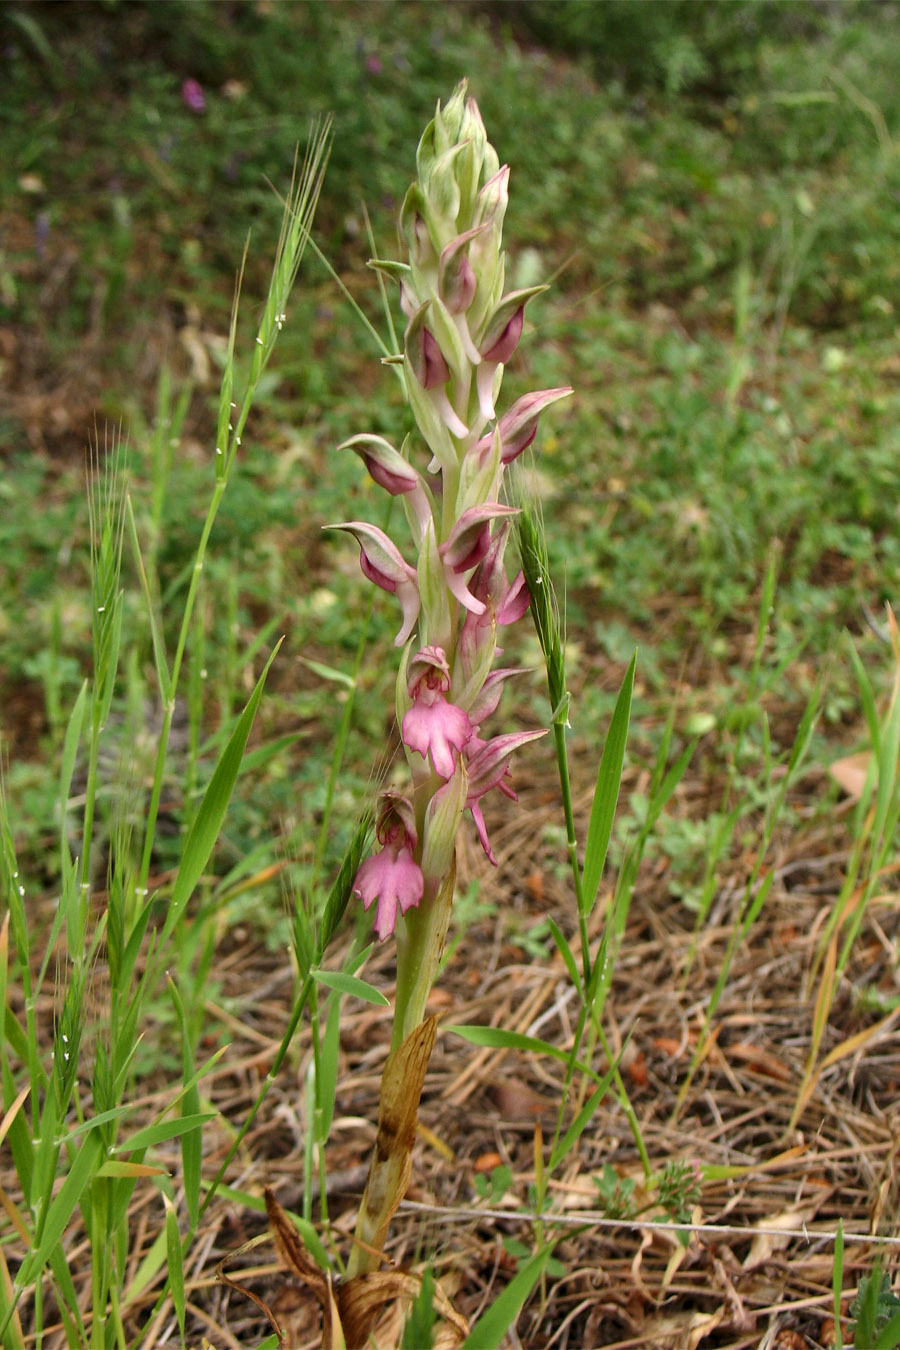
x=192 y=95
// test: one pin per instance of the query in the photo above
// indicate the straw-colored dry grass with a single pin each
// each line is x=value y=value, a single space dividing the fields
x=757 y=1270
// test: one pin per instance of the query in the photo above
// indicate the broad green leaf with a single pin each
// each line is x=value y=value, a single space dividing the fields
x=162 y=1131
x=498 y=1038
x=343 y=983
x=175 y=1263
x=606 y=793
x=489 y=1330
x=191 y=1140
x=205 y=830
x=62 y=1207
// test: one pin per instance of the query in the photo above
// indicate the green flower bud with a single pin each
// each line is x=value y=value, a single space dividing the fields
x=442 y=825
x=434 y=625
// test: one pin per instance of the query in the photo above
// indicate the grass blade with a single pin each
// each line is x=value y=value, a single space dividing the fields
x=208 y=822
x=490 y=1329
x=606 y=792
x=343 y=983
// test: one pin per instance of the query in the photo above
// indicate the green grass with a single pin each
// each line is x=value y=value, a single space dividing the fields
x=724 y=242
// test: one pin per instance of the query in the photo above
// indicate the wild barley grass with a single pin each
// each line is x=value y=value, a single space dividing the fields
x=67 y=1112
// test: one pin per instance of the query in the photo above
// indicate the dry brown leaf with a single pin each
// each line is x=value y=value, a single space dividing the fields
x=293 y=1255
x=681 y=1331
x=387 y=1294
x=398 y=1114
x=515 y=1099
x=766 y=1243
x=760 y=1061
x=850 y=773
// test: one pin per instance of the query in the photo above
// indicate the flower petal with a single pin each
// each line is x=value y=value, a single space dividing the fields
x=383 y=563
x=392 y=877
x=439 y=728
x=386 y=465
x=518 y=427
x=490 y=761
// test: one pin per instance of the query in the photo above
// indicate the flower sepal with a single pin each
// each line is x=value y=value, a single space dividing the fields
x=384 y=564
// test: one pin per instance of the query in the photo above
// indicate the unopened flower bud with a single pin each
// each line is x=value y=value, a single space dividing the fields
x=383 y=563
x=504 y=328
x=442 y=820
x=456 y=276
x=518 y=427
x=466 y=545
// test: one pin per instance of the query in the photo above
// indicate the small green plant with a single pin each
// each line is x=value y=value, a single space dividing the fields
x=876 y=1312
x=120 y=939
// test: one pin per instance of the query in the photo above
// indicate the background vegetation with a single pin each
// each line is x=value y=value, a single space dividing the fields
x=713 y=191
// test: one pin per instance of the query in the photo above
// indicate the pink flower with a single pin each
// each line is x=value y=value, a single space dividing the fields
x=487 y=763
x=518 y=427
x=192 y=96
x=467 y=544
x=433 y=725
x=383 y=563
x=391 y=877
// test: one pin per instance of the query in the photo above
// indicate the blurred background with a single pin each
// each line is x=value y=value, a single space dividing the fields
x=712 y=190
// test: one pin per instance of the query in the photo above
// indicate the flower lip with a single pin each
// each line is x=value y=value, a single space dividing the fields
x=433 y=725
x=437 y=727
x=392 y=878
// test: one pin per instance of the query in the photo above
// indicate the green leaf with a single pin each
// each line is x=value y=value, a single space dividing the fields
x=489 y=1330
x=327 y=1066
x=577 y=1128
x=69 y=754
x=62 y=1207
x=889 y=1336
x=837 y=1283
x=329 y=673
x=175 y=1263
x=164 y=1130
x=498 y=1038
x=191 y=1140
x=205 y=830
x=565 y=952
x=343 y=983
x=606 y=793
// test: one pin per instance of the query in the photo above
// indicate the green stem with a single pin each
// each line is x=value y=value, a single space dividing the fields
x=562 y=760
x=169 y=710
x=420 y=945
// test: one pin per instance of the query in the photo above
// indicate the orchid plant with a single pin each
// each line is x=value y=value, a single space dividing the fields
x=455 y=594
